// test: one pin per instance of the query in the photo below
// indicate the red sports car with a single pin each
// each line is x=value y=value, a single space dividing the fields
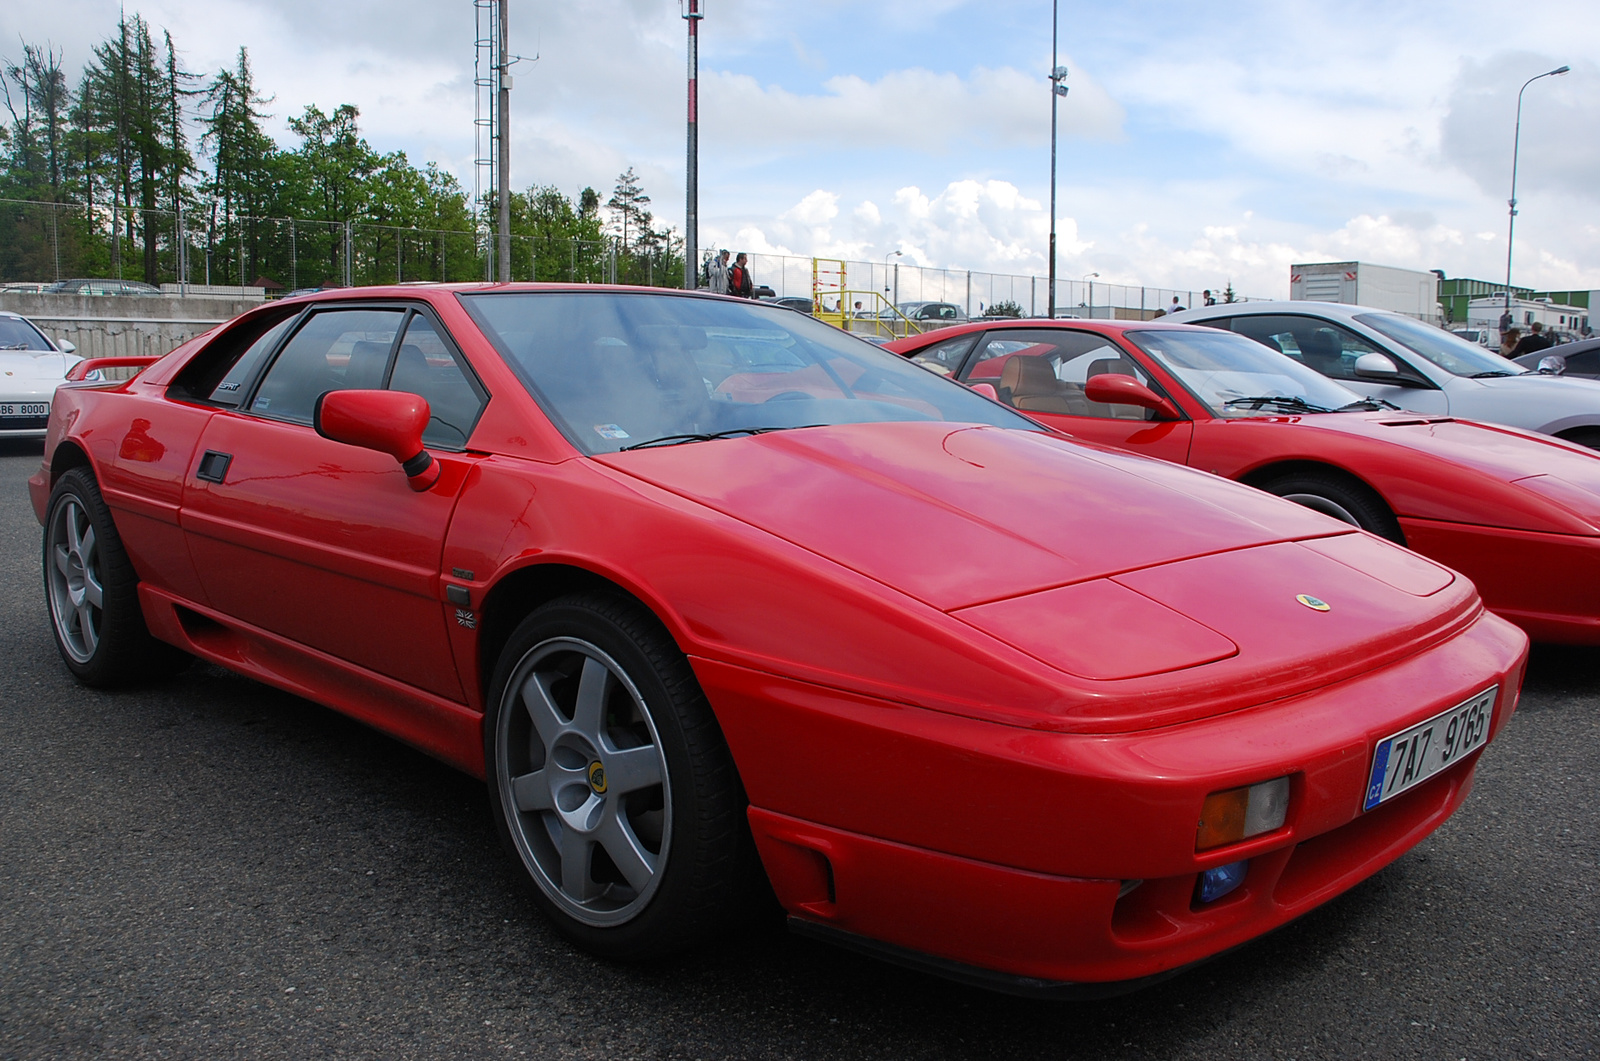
x=705 y=589
x=1516 y=512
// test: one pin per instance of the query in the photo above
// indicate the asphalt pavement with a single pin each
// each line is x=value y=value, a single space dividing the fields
x=208 y=868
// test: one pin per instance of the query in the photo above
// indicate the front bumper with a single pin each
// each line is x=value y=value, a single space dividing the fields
x=1008 y=850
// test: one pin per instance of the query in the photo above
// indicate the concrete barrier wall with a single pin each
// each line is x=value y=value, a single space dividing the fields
x=124 y=326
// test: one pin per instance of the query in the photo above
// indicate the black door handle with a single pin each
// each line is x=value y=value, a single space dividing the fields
x=213 y=466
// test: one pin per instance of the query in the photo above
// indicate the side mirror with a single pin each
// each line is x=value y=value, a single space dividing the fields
x=1554 y=365
x=987 y=390
x=66 y=346
x=1376 y=366
x=1113 y=388
x=390 y=422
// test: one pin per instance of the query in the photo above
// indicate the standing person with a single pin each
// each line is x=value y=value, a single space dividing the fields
x=717 y=273
x=1176 y=307
x=739 y=282
x=1206 y=299
x=1508 y=341
x=1535 y=341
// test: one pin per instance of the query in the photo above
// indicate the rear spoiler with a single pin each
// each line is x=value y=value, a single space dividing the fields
x=83 y=368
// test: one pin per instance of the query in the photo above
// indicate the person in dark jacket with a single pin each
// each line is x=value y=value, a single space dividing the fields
x=739 y=282
x=1533 y=342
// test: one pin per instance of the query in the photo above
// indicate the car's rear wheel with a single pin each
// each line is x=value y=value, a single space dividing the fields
x=1340 y=497
x=610 y=781
x=93 y=592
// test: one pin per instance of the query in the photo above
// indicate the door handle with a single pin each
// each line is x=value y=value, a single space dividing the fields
x=213 y=466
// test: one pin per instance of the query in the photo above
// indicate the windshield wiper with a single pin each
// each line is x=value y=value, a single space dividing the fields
x=17 y=346
x=1277 y=399
x=1370 y=403
x=676 y=440
x=1492 y=373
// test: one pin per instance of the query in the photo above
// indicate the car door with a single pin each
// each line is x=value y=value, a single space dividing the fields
x=1332 y=349
x=1042 y=372
x=323 y=543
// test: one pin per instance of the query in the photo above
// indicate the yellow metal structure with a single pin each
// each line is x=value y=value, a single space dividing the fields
x=859 y=312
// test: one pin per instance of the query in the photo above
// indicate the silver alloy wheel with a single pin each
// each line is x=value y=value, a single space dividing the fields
x=77 y=593
x=1318 y=503
x=584 y=781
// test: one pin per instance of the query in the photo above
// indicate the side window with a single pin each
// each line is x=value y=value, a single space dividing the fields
x=1586 y=363
x=1317 y=344
x=944 y=358
x=1044 y=371
x=230 y=391
x=341 y=349
x=425 y=366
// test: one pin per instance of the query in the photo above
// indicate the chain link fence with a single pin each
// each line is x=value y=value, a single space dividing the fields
x=44 y=242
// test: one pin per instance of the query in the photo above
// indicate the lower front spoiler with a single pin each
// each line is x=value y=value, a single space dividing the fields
x=986 y=979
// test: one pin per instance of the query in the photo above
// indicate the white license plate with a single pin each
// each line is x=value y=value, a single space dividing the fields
x=24 y=408
x=1411 y=756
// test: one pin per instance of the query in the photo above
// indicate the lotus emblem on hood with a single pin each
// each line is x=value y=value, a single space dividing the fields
x=1313 y=603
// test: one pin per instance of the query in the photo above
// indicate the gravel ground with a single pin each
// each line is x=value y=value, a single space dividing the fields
x=208 y=868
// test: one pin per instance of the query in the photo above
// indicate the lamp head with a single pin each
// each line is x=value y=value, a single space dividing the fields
x=1562 y=70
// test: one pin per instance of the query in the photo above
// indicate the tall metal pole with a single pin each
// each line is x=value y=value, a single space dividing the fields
x=1058 y=74
x=1511 y=227
x=503 y=189
x=691 y=199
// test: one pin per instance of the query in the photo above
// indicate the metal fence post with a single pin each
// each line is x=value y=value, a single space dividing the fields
x=349 y=266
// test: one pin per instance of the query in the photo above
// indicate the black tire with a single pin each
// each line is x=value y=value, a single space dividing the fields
x=1343 y=498
x=1583 y=436
x=684 y=869
x=103 y=642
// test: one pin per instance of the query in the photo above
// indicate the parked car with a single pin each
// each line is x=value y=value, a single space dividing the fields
x=22 y=287
x=1518 y=513
x=101 y=287
x=1414 y=365
x=706 y=588
x=792 y=302
x=31 y=366
x=1580 y=360
x=941 y=312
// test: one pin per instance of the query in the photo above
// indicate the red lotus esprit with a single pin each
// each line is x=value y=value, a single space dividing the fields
x=1518 y=513
x=705 y=588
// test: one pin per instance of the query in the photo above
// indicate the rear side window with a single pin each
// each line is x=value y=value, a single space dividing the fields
x=342 y=349
x=1317 y=344
x=230 y=391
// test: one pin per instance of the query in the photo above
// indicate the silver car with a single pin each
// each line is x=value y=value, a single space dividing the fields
x=1414 y=365
x=31 y=366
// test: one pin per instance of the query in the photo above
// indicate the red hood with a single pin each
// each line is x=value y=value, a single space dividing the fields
x=958 y=515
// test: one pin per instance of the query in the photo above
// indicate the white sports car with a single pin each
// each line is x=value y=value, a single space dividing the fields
x=31 y=365
x=1414 y=365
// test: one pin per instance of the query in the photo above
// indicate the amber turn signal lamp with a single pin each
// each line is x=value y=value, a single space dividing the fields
x=1239 y=813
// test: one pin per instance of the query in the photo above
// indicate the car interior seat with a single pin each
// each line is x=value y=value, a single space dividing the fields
x=1116 y=366
x=1028 y=382
x=1322 y=350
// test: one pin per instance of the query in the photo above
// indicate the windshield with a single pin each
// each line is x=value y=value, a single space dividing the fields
x=1450 y=352
x=620 y=370
x=17 y=334
x=1238 y=377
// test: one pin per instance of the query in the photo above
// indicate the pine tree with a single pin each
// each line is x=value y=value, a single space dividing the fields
x=627 y=204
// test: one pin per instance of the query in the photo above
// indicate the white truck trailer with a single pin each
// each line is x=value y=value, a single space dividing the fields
x=1562 y=323
x=1408 y=291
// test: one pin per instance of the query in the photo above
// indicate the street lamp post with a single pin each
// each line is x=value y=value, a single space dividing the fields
x=1089 y=278
x=691 y=221
x=1511 y=227
x=1058 y=74
x=886 y=257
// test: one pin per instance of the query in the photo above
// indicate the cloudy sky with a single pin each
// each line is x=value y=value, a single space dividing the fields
x=1200 y=143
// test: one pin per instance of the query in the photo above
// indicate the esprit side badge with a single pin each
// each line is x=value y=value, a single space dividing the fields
x=1313 y=603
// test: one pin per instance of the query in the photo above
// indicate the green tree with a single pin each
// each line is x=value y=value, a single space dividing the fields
x=328 y=175
x=1008 y=308
x=241 y=185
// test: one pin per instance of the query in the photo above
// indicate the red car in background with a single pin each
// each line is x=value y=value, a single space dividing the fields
x=1517 y=512
x=706 y=589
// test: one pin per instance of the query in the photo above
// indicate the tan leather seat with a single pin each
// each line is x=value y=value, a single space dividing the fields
x=1028 y=382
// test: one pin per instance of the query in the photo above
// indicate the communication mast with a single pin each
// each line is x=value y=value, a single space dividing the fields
x=487 y=68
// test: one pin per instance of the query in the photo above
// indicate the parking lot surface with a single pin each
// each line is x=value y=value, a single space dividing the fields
x=210 y=868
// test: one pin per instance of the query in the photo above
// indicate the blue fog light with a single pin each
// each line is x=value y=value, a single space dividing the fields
x=1215 y=883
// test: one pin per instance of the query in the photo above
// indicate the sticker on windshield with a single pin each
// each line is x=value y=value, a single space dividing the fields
x=609 y=431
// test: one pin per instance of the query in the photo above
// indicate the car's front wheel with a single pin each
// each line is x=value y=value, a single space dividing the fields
x=610 y=781
x=1344 y=499
x=93 y=592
